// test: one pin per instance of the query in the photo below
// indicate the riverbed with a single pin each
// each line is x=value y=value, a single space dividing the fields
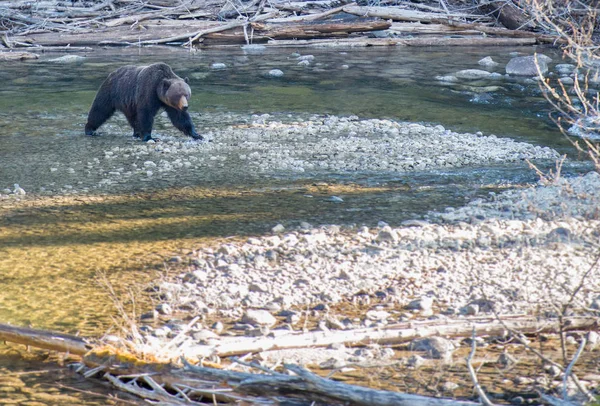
x=91 y=218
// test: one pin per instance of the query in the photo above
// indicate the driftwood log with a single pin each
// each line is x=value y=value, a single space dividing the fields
x=216 y=22
x=194 y=385
x=388 y=335
x=17 y=56
x=415 y=42
x=47 y=340
x=260 y=33
x=402 y=14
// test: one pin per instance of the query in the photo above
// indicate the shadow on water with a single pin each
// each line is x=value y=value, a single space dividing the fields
x=54 y=242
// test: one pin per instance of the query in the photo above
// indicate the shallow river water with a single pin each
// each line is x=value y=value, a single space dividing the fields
x=73 y=231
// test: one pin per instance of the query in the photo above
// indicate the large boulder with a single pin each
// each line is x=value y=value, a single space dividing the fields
x=526 y=65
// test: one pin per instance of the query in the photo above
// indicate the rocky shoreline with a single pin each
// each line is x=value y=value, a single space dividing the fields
x=510 y=255
x=525 y=252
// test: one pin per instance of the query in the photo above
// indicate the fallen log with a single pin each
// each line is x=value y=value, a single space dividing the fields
x=431 y=29
x=389 y=335
x=47 y=340
x=502 y=32
x=301 y=6
x=17 y=56
x=415 y=42
x=265 y=32
x=337 y=42
x=507 y=13
x=401 y=14
x=315 y=388
x=470 y=41
x=309 y=17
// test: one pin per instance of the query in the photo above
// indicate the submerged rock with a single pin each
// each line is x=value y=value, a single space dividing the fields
x=68 y=59
x=472 y=74
x=527 y=65
x=218 y=66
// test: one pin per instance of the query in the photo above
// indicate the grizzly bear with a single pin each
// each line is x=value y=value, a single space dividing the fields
x=139 y=92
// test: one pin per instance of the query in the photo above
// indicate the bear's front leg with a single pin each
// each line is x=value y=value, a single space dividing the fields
x=183 y=122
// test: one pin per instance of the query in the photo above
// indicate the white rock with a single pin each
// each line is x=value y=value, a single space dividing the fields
x=279 y=228
x=259 y=318
x=18 y=190
x=275 y=73
x=488 y=61
x=218 y=66
x=68 y=59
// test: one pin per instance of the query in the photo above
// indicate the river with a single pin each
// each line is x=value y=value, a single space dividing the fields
x=73 y=234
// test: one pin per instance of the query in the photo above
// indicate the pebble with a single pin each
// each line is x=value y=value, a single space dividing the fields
x=275 y=73
x=488 y=62
x=68 y=59
x=435 y=347
x=164 y=309
x=279 y=228
x=424 y=303
x=218 y=66
x=449 y=386
x=259 y=318
x=218 y=327
x=415 y=361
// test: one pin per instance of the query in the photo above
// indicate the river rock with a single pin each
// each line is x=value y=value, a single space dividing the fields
x=415 y=361
x=449 y=386
x=488 y=62
x=472 y=74
x=275 y=73
x=259 y=318
x=526 y=66
x=425 y=303
x=565 y=68
x=18 y=190
x=566 y=80
x=164 y=309
x=387 y=234
x=218 y=66
x=279 y=228
x=68 y=59
x=435 y=347
x=253 y=48
x=447 y=78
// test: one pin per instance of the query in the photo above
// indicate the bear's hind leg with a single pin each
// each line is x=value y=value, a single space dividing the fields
x=131 y=119
x=144 y=122
x=101 y=111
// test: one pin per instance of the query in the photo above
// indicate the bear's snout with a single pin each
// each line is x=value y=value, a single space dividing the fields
x=183 y=103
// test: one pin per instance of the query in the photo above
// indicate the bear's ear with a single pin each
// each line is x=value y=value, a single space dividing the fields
x=186 y=80
x=164 y=85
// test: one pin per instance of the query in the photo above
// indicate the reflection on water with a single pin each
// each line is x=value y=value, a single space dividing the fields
x=54 y=243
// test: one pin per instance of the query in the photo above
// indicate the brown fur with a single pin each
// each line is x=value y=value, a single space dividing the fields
x=140 y=92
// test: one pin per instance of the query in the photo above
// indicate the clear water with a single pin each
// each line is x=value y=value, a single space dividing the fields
x=54 y=244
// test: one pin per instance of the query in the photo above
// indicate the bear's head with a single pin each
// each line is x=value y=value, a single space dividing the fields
x=175 y=93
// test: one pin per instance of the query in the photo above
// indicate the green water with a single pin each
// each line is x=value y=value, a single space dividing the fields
x=56 y=242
